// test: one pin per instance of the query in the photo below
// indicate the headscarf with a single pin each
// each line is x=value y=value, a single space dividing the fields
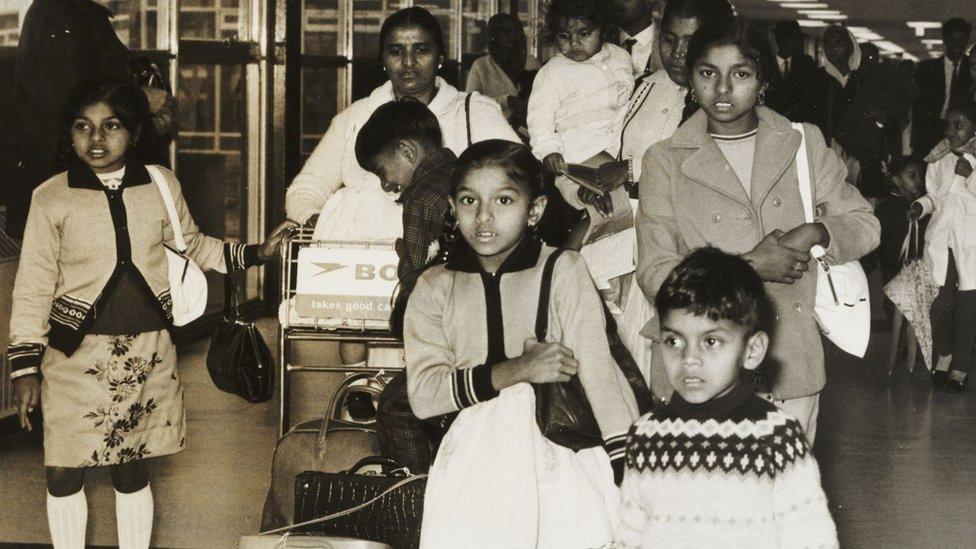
x=853 y=62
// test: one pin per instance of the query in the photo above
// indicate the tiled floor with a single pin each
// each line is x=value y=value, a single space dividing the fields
x=896 y=458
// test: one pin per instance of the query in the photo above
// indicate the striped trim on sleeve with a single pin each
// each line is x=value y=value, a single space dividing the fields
x=25 y=359
x=240 y=256
x=472 y=385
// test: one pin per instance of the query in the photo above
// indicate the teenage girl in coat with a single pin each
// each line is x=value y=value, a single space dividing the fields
x=727 y=178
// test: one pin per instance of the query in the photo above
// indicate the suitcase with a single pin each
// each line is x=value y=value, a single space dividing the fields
x=307 y=448
x=299 y=541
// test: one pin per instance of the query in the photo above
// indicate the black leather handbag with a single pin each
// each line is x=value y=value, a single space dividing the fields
x=386 y=507
x=562 y=411
x=239 y=361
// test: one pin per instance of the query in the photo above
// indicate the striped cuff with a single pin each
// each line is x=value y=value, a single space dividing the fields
x=472 y=385
x=25 y=359
x=616 y=447
x=240 y=256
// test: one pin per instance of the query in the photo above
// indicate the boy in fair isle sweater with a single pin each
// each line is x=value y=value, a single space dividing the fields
x=718 y=466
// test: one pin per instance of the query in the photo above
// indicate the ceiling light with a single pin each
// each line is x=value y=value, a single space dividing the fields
x=809 y=23
x=889 y=46
x=823 y=12
x=796 y=6
x=933 y=41
x=827 y=16
x=920 y=26
x=866 y=34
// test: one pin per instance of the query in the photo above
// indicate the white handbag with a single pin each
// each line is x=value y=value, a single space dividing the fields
x=187 y=284
x=843 y=306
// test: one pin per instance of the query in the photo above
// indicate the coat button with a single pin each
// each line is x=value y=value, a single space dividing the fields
x=716 y=217
x=798 y=307
x=777 y=202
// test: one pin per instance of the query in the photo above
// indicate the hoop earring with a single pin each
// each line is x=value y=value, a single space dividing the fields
x=762 y=97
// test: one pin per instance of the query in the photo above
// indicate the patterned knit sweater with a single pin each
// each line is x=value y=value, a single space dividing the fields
x=731 y=472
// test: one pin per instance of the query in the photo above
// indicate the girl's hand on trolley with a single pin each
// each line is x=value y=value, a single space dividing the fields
x=775 y=262
x=27 y=395
x=269 y=247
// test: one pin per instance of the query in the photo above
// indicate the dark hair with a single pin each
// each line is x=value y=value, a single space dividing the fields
x=897 y=164
x=956 y=24
x=595 y=12
x=498 y=21
x=721 y=286
x=406 y=118
x=127 y=102
x=515 y=159
x=417 y=17
x=707 y=12
x=787 y=27
x=739 y=33
x=966 y=106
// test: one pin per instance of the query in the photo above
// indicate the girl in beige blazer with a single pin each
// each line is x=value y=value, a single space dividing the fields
x=696 y=189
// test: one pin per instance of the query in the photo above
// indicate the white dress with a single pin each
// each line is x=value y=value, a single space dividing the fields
x=498 y=483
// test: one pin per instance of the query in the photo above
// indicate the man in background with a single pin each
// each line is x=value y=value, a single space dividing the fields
x=941 y=82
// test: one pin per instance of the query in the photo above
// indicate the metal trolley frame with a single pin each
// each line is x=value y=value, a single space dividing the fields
x=355 y=331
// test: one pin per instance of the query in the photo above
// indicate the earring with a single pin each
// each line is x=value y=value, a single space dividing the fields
x=694 y=98
x=762 y=97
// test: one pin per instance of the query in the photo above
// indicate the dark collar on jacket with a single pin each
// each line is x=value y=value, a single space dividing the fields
x=80 y=176
x=776 y=144
x=525 y=256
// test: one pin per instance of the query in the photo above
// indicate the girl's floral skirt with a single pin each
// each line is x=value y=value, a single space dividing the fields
x=116 y=399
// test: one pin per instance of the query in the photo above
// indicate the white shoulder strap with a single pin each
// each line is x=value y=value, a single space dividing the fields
x=806 y=189
x=803 y=174
x=174 y=218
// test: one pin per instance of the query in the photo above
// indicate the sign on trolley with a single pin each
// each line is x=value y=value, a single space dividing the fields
x=346 y=283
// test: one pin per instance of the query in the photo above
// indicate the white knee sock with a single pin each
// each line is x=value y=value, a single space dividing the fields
x=67 y=520
x=134 y=515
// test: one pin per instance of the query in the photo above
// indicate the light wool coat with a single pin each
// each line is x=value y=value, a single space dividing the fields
x=690 y=197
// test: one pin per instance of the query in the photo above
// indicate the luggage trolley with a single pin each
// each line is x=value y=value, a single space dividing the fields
x=335 y=323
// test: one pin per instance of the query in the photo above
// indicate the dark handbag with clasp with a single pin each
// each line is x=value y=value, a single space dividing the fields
x=386 y=507
x=239 y=361
x=562 y=410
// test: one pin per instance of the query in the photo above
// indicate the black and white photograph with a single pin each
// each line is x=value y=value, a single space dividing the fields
x=487 y=274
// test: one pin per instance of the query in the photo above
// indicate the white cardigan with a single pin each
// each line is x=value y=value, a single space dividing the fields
x=951 y=200
x=333 y=162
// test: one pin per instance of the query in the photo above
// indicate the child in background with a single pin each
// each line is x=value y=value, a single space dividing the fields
x=401 y=144
x=950 y=245
x=723 y=465
x=907 y=183
x=469 y=339
x=92 y=314
x=577 y=106
x=578 y=98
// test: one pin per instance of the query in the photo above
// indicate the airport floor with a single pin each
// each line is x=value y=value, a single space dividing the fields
x=896 y=458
